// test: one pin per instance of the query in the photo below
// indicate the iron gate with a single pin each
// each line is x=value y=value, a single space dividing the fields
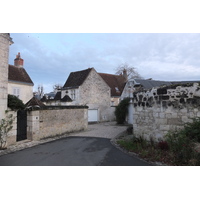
x=21 y=125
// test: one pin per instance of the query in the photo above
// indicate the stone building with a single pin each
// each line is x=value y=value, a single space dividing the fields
x=87 y=87
x=19 y=82
x=5 y=42
x=116 y=84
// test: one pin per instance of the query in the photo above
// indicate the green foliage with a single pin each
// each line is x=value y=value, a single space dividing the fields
x=15 y=103
x=122 y=110
x=181 y=143
x=192 y=130
x=180 y=147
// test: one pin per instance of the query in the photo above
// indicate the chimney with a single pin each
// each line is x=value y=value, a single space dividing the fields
x=125 y=75
x=18 y=62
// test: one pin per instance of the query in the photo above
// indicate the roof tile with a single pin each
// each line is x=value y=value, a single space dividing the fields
x=18 y=74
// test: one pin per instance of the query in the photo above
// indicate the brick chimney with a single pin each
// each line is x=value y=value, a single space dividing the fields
x=18 y=62
x=125 y=75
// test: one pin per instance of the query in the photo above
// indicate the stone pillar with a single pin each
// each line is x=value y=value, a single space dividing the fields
x=33 y=125
x=5 y=42
x=130 y=112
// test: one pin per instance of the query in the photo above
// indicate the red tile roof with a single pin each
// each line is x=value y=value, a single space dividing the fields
x=115 y=82
x=18 y=74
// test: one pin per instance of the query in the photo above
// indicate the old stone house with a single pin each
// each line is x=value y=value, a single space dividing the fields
x=99 y=91
x=87 y=87
x=19 y=82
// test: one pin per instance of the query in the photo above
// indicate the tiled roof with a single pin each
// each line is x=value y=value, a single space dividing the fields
x=115 y=82
x=57 y=96
x=76 y=79
x=34 y=102
x=66 y=98
x=148 y=84
x=18 y=74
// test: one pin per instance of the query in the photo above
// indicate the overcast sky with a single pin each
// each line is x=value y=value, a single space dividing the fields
x=49 y=58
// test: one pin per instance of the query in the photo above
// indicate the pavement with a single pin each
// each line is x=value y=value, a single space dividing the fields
x=108 y=130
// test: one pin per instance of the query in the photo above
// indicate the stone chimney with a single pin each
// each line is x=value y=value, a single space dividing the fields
x=18 y=62
x=125 y=75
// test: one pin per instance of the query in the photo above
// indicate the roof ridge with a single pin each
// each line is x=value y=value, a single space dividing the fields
x=77 y=78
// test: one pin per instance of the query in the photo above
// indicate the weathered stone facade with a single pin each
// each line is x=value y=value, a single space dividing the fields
x=157 y=111
x=55 y=121
x=5 y=42
x=51 y=121
x=95 y=93
x=12 y=134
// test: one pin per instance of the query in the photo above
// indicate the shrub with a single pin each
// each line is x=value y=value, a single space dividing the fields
x=15 y=103
x=163 y=145
x=181 y=146
x=122 y=110
x=192 y=130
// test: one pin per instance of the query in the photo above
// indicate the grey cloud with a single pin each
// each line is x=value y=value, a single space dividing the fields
x=159 y=56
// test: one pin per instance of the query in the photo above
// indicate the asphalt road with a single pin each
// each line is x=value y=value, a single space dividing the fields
x=72 y=151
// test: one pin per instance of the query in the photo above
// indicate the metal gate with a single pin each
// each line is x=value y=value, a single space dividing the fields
x=21 y=125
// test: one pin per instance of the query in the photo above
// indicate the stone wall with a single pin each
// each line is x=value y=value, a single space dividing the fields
x=12 y=134
x=157 y=111
x=5 y=42
x=56 y=121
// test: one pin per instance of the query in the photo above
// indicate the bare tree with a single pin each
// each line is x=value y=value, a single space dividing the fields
x=40 y=91
x=57 y=87
x=127 y=70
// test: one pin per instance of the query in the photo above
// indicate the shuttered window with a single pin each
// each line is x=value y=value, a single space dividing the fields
x=16 y=92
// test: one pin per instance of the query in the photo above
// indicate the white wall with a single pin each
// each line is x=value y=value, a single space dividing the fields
x=26 y=91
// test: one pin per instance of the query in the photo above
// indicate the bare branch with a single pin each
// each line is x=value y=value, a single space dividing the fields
x=130 y=70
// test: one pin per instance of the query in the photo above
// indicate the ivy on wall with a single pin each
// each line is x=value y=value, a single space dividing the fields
x=15 y=103
x=121 y=111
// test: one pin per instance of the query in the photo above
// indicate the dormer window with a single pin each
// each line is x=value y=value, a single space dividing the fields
x=117 y=89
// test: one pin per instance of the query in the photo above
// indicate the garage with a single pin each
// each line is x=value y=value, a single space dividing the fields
x=92 y=115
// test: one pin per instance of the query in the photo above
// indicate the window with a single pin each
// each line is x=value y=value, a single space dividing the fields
x=73 y=94
x=16 y=92
x=117 y=89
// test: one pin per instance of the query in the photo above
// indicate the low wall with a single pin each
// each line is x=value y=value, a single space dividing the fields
x=56 y=121
x=157 y=111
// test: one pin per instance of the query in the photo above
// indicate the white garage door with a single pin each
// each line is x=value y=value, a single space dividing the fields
x=92 y=115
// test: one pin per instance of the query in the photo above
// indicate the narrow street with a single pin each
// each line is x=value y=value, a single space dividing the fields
x=87 y=148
